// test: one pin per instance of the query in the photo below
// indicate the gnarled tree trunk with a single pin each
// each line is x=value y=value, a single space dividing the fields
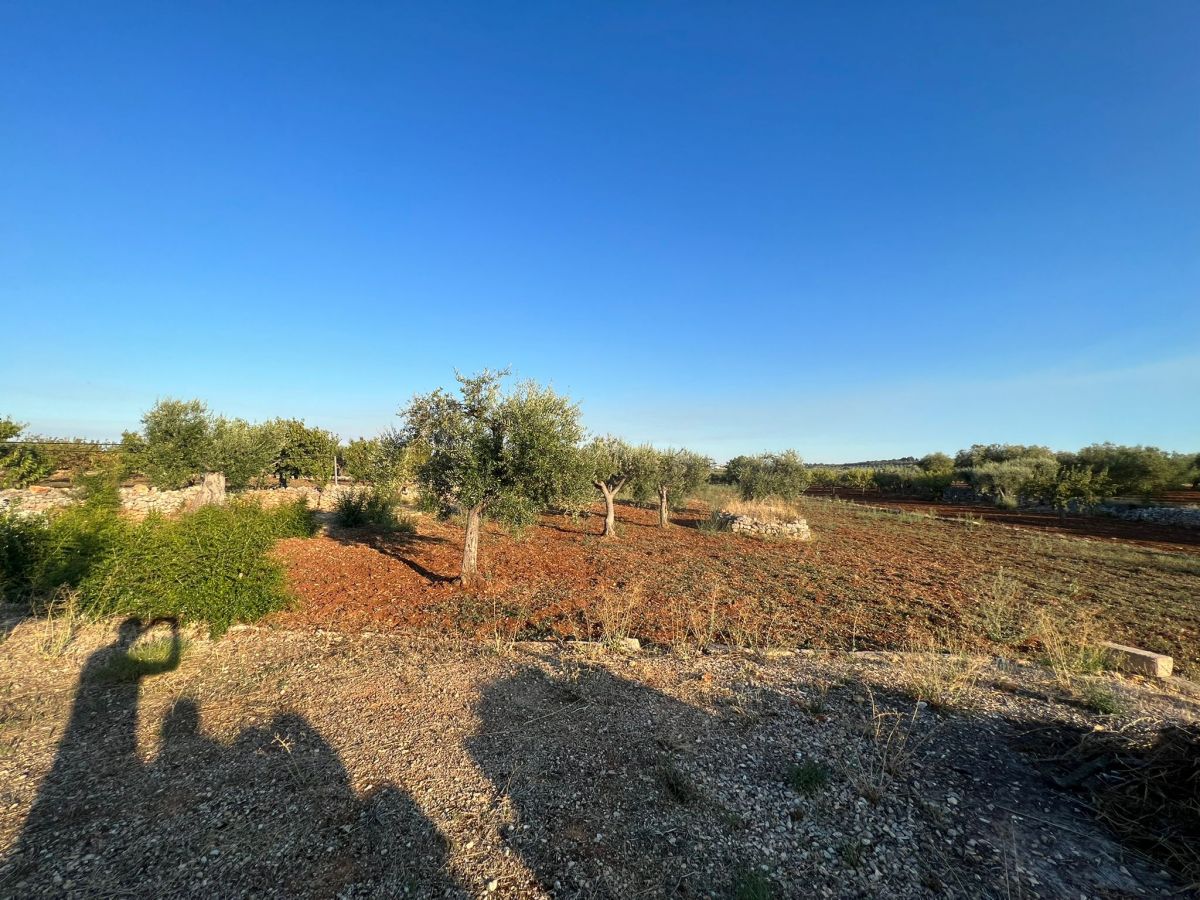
x=662 y=507
x=610 y=514
x=470 y=561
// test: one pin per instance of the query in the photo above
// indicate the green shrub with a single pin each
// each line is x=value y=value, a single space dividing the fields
x=22 y=547
x=210 y=565
x=808 y=777
x=20 y=464
x=780 y=475
x=374 y=507
x=175 y=445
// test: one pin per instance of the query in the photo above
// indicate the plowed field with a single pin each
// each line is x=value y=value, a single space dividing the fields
x=869 y=579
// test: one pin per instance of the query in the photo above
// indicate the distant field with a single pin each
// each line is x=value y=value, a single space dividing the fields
x=869 y=579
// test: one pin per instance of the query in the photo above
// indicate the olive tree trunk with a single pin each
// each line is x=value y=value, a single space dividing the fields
x=610 y=514
x=470 y=561
x=662 y=508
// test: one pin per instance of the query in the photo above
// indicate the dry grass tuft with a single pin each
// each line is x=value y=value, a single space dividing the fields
x=943 y=680
x=892 y=740
x=771 y=510
x=64 y=617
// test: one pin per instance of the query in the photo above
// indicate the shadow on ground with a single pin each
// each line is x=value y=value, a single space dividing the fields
x=605 y=786
x=281 y=817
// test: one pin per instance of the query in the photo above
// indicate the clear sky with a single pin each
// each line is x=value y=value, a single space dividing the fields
x=857 y=229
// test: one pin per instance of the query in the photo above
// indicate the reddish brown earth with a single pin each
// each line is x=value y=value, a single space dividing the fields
x=1104 y=528
x=869 y=579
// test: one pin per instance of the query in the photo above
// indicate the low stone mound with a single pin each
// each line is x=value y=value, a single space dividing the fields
x=796 y=530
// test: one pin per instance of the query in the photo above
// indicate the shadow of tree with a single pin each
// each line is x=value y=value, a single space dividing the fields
x=397 y=545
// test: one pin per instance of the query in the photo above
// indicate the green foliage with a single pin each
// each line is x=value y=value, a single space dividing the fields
x=242 y=451
x=1138 y=471
x=382 y=460
x=979 y=454
x=780 y=475
x=614 y=463
x=737 y=468
x=20 y=464
x=503 y=454
x=675 y=473
x=857 y=478
x=374 y=507
x=1007 y=481
x=41 y=553
x=937 y=464
x=302 y=451
x=175 y=444
x=210 y=565
x=808 y=777
x=1070 y=487
x=23 y=542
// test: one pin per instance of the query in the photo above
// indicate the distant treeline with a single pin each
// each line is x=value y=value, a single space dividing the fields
x=180 y=439
x=1005 y=474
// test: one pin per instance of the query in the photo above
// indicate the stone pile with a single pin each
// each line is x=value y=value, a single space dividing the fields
x=795 y=531
x=1183 y=516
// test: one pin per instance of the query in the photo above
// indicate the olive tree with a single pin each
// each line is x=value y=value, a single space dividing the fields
x=175 y=445
x=242 y=451
x=20 y=464
x=302 y=451
x=491 y=453
x=610 y=464
x=936 y=464
x=780 y=475
x=670 y=476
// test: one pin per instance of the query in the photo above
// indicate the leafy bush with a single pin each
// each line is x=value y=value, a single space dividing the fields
x=772 y=475
x=22 y=547
x=175 y=445
x=241 y=451
x=374 y=507
x=20 y=464
x=39 y=554
x=210 y=565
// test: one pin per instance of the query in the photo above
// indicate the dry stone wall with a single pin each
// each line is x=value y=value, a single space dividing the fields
x=140 y=500
x=796 y=531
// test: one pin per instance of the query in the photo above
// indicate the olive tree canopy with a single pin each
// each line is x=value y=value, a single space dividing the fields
x=671 y=476
x=491 y=453
x=610 y=465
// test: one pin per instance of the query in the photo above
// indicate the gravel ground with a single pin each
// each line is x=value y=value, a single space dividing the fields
x=273 y=763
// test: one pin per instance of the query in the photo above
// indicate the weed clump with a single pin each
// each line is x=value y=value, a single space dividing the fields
x=373 y=507
x=808 y=777
x=210 y=565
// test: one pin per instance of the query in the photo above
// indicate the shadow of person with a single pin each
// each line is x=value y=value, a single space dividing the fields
x=273 y=813
x=98 y=749
x=592 y=766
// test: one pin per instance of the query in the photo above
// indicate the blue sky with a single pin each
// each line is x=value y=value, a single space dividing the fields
x=860 y=230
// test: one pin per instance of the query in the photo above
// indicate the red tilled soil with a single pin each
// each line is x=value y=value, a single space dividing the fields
x=1104 y=528
x=869 y=579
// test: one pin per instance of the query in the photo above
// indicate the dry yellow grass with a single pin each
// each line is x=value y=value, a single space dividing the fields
x=772 y=510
